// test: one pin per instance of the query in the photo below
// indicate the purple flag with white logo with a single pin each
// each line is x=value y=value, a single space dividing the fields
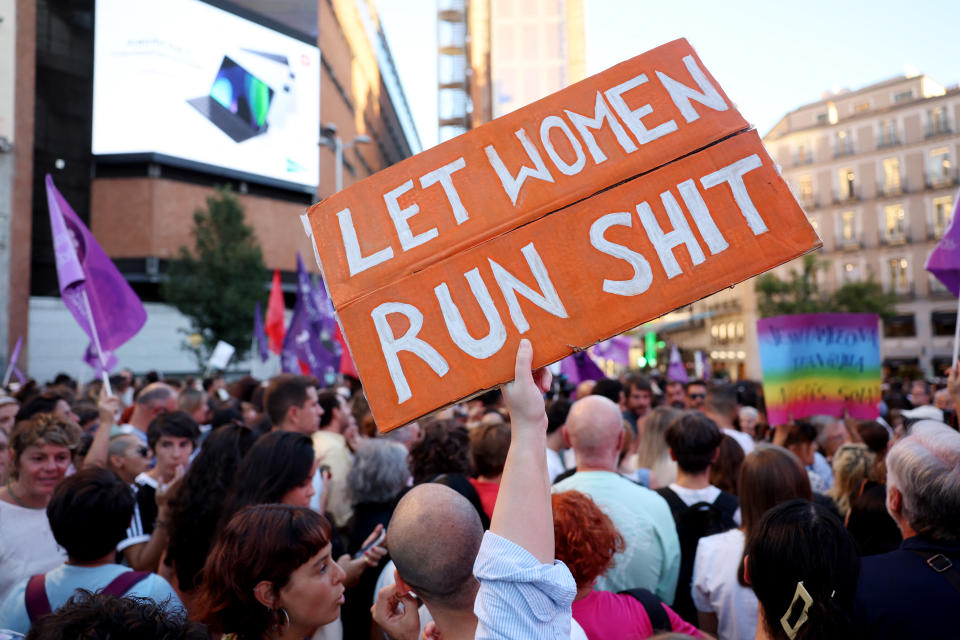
x=616 y=349
x=319 y=310
x=259 y=335
x=578 y=367
x=944 y=260
x=302 y=348
x=90 y=284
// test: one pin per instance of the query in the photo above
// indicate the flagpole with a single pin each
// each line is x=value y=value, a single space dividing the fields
x=12 y=364
x=96 y=342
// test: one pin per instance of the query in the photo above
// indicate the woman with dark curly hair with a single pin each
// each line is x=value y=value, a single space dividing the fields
x=271 y=575
x=586 y=541
x=195 y=509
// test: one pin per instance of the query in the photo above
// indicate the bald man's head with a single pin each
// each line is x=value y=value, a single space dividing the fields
x=595 y=429
x=434 y=537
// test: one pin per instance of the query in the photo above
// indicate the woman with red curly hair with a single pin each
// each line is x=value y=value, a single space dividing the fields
x=586 y=542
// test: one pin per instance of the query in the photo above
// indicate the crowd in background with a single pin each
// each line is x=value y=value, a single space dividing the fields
x=620 y=509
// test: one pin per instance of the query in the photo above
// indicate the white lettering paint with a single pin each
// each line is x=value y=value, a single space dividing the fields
x=392 y=345
x=556 y=122
x=732 y=174
x=400 y=216
x=481 y=348
x=601 y=112
x=665 y=243
x=701 y=216
x=510 y=286
x=634 y=117
x=356 y=261
x=682 y=94
x=642 y=274
x=443 y=176
x=512 y=184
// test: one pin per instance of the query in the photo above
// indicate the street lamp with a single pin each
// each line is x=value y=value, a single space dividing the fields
x=330 y=138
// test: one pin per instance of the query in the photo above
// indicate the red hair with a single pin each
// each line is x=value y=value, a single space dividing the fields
x=585 y=537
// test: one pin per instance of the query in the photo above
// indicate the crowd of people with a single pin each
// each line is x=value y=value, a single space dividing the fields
x=621 y=509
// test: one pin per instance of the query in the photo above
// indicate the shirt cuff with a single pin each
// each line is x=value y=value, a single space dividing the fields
x=545 y=587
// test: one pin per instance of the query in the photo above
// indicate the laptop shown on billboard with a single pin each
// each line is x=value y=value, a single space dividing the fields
x=238 y=102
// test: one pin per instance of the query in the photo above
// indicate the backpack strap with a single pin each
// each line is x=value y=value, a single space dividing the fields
x=728 y=504
x=673 y=500
x=35 y=598
x=942 y=565
x=124 y=582
x=653 y=605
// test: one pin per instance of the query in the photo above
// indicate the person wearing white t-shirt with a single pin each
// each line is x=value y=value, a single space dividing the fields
x=726 y=606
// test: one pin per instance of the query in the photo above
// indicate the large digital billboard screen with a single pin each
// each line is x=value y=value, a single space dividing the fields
x=185 y=81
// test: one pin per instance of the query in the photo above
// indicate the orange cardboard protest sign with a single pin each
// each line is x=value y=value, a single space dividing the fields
x=433 y=304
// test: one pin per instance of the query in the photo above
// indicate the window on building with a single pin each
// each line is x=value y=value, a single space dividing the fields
x=860 y=107
x=942 y=213
x=806 y=190
x=740 y=330
x=887 y=134
x=903 y=96
x=894 y=218
x=903 y=326
x=845 y=178
x=848 y=227
x=937 y=123
x=891 y=175
x=850 y=272
x=803 y=155
x=943 y=323
x=821 y=118
x=939 y=168
x=843 y=144
x=899 y=272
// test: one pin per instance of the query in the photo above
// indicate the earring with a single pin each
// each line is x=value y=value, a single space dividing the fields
x=286 y=617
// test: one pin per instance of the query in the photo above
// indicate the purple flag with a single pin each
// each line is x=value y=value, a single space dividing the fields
x=616 y=349
x=676 y=371
x=944 y=260
x=259 y=334
x=319 y=310
x=579 y=367
x=12 y=364
x=88 y=276
x=302 y=345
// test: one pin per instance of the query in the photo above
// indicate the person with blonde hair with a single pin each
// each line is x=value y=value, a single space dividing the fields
x=652 y=450
x=852 y=464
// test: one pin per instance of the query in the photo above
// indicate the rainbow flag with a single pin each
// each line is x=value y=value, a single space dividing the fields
x=820 y=364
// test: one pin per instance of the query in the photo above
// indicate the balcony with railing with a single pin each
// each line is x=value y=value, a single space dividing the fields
x=891 y=140
x=891 y=189
x=939 y=127
x=846 y=196
x=943 y=178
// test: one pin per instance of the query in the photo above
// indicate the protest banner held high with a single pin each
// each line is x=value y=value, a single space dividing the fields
x=573 y=219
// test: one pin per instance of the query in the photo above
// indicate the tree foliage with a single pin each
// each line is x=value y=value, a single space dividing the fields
x=217 y=283
x=800 y=293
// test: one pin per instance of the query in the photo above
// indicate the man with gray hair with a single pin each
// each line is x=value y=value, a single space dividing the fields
x=154 y=399
x=914 y=592
x=651 y=559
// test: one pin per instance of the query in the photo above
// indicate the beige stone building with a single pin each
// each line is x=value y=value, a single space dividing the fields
x=495 y=56
x=876 y=172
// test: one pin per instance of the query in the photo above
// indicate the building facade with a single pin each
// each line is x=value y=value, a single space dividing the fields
x=876 y=172
x=495 y=56
x=140 y=205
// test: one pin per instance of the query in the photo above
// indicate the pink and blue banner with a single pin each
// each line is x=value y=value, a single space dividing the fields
x=820 y=364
